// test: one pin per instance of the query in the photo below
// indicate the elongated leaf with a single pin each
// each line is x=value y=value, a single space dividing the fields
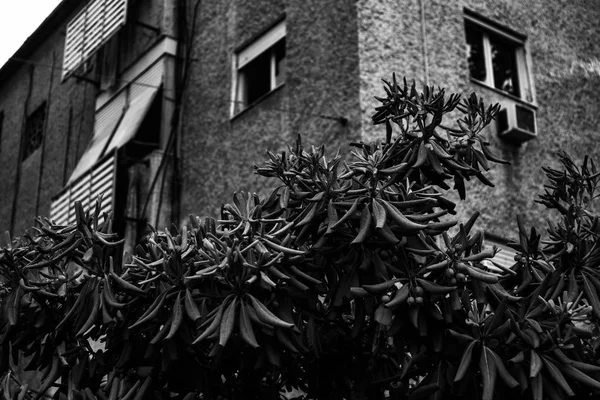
x=535 y=364
x=579 y=376
x=465 y=361
x=557 y=376
x=501 y=369
x=497 y=319
x=592 y=295
x=537 y=389
x=487 y=367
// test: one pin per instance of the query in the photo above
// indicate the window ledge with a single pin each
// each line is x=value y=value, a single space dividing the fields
x=505 y=94
x=257 y=101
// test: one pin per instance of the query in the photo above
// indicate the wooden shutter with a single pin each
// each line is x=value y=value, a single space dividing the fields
x=90 y=29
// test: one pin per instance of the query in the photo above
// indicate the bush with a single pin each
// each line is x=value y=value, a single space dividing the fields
x=344 y=283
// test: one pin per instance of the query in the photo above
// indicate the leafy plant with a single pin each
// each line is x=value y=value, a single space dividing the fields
x=348 y=281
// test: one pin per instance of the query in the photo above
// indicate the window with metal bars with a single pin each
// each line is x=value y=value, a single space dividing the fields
x=34 y=131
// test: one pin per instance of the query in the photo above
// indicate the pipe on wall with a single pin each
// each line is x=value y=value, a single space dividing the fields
x=424 y=42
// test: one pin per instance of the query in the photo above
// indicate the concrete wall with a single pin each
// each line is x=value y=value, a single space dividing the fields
x=563 y=43
x=217 y=153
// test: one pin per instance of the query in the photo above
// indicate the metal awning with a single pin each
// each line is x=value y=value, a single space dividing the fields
x=117 y=123
x=132 y=118
x=119 y=120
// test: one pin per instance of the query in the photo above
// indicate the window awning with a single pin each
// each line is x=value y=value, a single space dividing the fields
x=117 y=123
x=119 y=120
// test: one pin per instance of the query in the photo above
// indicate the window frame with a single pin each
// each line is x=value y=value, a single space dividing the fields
x=36 y=119
x=267 y=41
x=524 y=76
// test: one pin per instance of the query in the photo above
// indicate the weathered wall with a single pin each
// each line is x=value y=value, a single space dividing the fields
x=69 y=119
x=337 y=53
x=562 y=38
x=69 y=114
x=217 y=153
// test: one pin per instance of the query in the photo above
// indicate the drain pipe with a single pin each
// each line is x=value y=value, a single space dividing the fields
x=424 y=40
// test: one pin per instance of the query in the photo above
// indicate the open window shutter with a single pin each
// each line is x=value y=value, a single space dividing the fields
x=90 y=29
x=258 y=47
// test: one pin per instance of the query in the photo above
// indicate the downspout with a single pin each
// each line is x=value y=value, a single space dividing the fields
x=424 y=41
x=68 y=146
x=171 y=28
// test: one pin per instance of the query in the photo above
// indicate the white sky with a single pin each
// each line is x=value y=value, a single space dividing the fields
x=18 y=20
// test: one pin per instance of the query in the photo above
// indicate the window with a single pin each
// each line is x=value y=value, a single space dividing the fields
x=497 y=57
x=259 y=68
x=34 y=131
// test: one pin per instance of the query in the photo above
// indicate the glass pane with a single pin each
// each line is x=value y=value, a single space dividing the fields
x=279 y=49
x=257 y=77
x=476 y=57
x=504 y=63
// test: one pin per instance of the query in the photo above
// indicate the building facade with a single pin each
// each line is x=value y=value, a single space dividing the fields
x=164 y=105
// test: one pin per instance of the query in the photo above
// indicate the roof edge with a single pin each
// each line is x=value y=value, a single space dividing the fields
x=33 y=42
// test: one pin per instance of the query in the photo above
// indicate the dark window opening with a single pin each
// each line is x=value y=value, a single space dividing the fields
x=264 y=73
x=34 y=131
x=492 y=59
x=504 y=64
x=147 y=138
x=257 y=77
x=476 y=55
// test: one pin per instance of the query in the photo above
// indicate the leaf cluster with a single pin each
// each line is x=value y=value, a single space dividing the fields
x=346 y=281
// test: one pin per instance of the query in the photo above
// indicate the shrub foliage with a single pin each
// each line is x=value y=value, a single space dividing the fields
x=349 y=281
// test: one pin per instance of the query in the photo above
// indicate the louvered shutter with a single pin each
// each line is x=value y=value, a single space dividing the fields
x=506 y=256
x=96 y=181
x=90 y=29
